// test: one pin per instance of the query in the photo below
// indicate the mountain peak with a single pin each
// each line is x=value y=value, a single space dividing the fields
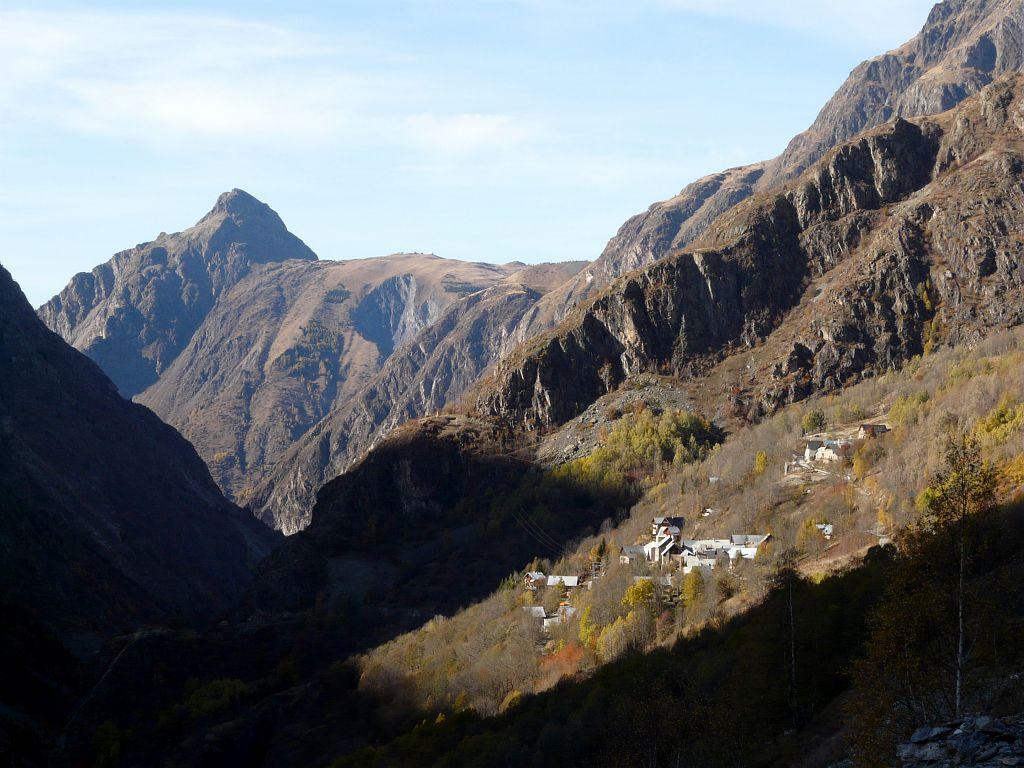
x=239 y=204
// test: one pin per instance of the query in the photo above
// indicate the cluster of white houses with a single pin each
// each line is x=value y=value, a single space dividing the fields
x=534 y=580
x=668 y=547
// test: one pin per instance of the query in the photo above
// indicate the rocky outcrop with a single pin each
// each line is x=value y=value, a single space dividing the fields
x=644 y=239
x=134 y=314
x=421 y=377
x=963 y=46
x=107 y=516
x=401 y=498
x=987 y=742
x=854 y=267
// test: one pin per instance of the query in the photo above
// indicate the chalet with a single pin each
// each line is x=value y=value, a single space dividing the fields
x=833 y=450
x=631 y=554
x=661 y=549
x=871 y=431
x=812 y=449
x=534 y=579
x=671 y=526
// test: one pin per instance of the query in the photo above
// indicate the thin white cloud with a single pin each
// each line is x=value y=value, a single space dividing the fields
x=159 y=78
x=885 y=23
x=468 y=132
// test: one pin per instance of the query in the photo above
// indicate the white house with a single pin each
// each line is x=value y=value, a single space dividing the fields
x=661 y=549
x=826 y=530
x=812 y=449
x=833 y=450
x=668 y=526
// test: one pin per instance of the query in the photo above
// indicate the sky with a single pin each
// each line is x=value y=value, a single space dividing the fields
x=483 y=130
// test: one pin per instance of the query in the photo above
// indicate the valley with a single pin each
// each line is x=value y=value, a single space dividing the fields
x=745 y=490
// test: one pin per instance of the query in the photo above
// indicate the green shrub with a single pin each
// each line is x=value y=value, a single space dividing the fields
x=813 y=421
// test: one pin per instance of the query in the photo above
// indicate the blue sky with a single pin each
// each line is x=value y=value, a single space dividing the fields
x=489 y=130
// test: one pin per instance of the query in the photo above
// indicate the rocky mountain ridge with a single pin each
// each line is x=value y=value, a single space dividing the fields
x=293 y=342
x=236 y=334
x=421 y=377
x=893 y=241
x=963 y=46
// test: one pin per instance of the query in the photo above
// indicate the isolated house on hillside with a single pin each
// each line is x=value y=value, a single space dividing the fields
x=870 y=431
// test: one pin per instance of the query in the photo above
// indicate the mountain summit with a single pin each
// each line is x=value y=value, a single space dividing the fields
x=136 y=312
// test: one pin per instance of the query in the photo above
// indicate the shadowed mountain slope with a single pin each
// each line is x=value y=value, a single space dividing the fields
x=107 y=515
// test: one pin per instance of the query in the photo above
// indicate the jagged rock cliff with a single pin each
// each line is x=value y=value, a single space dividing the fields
x=134 y=314
x=978 y=741
x=421 y=377
x=963 y=46
x=107 y=515
x=893 y=241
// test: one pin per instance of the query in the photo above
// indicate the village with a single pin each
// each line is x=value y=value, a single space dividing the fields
x=671 y=555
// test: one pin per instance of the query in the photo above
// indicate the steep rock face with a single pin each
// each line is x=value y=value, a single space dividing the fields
x=963 y=46
x=107 y=515
x=983 y=741
x=421 y=377
x=293 y=342
x=401 y=497
x=645 y=238
x=134 y=314
x=838 y=275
